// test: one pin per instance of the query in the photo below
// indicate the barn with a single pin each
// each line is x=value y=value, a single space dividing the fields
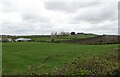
x=6 y=39
x=23 y=40
x=9 y=40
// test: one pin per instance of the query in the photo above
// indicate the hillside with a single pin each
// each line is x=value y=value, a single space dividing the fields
x=107 y=39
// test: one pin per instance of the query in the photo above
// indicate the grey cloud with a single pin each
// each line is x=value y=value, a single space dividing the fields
x=17 y=28
x=111 y=28
x=68 y=6
x=97 y=15
x=35 y=18
x=33 y=21
x=7 y=6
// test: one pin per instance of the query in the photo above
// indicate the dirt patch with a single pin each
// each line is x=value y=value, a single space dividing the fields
x=107 y=39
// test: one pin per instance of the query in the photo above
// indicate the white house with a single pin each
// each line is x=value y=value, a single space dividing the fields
x=23 y=40
x=9 y=40
x=6 y=40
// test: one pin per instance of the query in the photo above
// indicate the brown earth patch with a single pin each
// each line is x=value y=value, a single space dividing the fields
x=107 y=39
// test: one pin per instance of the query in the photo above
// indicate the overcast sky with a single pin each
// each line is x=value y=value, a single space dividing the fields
x=45 y=16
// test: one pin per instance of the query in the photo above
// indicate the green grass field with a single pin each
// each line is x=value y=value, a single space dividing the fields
x=59 y=38
x=41 y=58
x=0 y=58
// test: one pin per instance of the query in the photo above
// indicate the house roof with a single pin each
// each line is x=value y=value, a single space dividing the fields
x=23 y=39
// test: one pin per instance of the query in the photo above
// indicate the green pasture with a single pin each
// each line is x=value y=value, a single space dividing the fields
x=57 y=38
x=0 y=57
x=42 y=58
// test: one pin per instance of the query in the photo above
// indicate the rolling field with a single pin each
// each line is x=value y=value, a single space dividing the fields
x=58 y=38
x=0 y=58
x=45 y=58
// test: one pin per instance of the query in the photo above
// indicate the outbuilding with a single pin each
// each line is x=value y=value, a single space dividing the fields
x=23 y=40
x=9 y=40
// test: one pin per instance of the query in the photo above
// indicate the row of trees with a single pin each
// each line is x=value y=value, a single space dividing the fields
x=55 y=34
x=63 y=33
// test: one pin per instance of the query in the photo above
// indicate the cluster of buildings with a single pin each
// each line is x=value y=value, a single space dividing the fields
x=9 y=39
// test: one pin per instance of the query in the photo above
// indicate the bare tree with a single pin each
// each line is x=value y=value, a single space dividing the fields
x=64 y=33
x=53 y=36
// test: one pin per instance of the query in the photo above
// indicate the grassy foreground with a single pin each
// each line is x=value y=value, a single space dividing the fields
x=44 y=58
x=0 y=59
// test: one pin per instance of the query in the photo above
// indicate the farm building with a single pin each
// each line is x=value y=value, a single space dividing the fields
x=9 y=40
x=6 y=40
x=23 y=40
